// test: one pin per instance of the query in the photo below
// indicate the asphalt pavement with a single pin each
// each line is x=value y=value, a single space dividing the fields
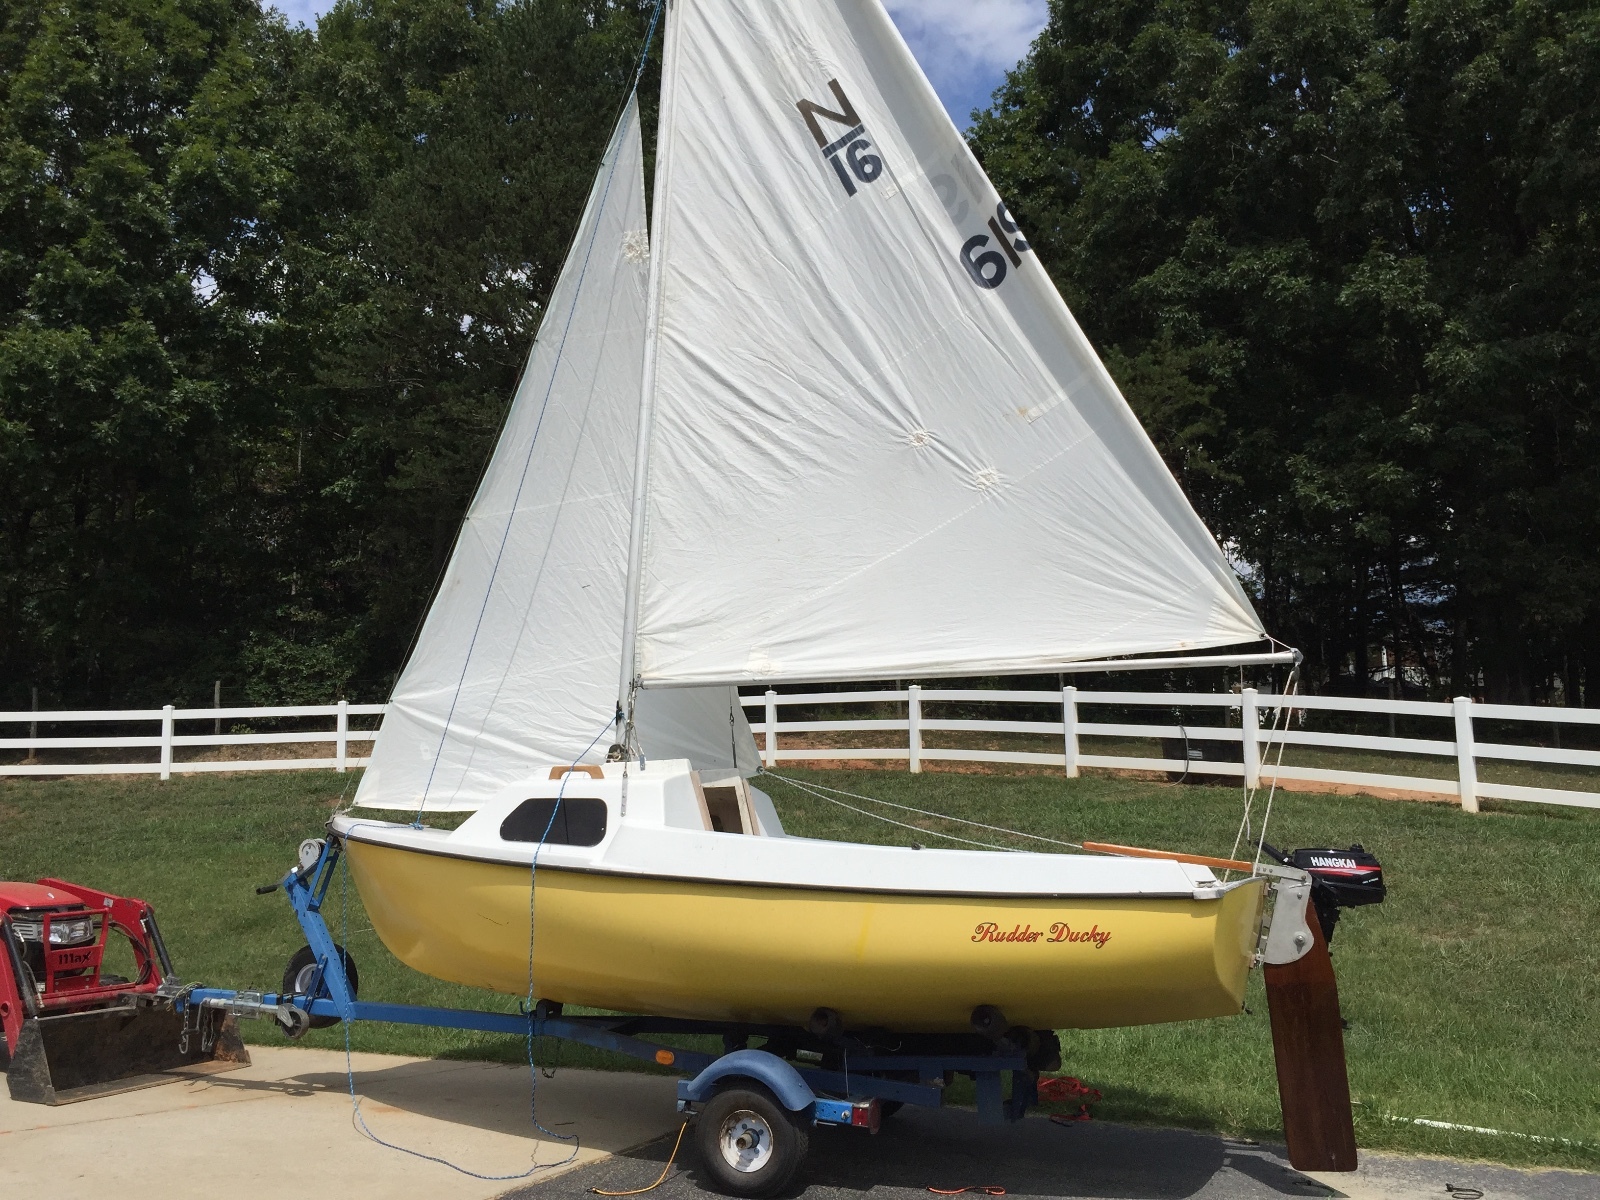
x=1036 y=1158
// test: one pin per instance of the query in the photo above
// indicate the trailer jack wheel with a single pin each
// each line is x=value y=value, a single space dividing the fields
x=749 y=1144
x=303 y=968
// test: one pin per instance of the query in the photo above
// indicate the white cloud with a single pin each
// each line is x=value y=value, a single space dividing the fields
x=967 y=46
x=986 y=35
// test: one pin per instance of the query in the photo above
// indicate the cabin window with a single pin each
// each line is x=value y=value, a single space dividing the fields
x=725 y=811
x=579 y=821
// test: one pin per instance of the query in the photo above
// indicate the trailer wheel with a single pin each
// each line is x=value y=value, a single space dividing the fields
x=749 y=1144
x=298 y=974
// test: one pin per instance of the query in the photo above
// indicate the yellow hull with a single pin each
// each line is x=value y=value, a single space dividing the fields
x=716 y=951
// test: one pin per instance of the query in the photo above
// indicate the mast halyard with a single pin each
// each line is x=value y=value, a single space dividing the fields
x=626 y=686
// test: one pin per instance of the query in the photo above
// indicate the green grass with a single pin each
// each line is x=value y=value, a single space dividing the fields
x=1472 y=994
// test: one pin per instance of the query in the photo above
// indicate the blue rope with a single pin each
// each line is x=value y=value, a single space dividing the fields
x=522 y=482
x=533 y=870
x=527 y=462
x=344 y=890
x=533 y=1070
x=360 y=1121
x=649 y=39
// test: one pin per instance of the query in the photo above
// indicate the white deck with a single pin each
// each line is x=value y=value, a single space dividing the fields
x=663 y=833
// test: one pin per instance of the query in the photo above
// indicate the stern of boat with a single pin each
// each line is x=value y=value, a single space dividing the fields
x=1237 y=936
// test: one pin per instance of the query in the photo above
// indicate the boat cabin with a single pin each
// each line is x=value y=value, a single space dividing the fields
x=579 y=805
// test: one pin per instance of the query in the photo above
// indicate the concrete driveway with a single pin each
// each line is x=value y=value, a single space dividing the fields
x=284 y=1124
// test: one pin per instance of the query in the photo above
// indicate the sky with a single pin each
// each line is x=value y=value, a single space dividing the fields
x=965 y=46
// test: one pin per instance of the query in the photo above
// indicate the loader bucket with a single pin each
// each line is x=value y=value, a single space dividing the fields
x=68 y=1057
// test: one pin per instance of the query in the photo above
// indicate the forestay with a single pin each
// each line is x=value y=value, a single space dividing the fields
x=516 y=663
x=880 y=444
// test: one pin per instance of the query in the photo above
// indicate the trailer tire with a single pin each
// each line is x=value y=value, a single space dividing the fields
x=297 y=976
x=749 y=1144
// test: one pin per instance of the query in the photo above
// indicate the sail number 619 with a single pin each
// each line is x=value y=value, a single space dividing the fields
x=988 y=269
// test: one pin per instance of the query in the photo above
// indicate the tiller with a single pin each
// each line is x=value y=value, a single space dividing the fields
x=73 y=1030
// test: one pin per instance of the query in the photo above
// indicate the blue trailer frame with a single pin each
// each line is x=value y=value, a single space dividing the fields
x=851 y=1096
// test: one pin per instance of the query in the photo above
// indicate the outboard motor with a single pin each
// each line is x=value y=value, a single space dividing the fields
x=1339 y=879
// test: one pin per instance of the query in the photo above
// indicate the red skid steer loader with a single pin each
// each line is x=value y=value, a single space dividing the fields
x=72 y=1029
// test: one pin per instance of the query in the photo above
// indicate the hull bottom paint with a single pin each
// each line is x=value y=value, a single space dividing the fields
x=772 y=954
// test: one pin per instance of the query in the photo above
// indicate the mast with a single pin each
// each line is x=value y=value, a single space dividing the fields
x=647 y=390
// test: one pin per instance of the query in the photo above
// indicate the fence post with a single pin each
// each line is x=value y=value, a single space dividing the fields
x=1069 y=729
x=33 y=729
x=914 y=727
x=216 y=702
x=1466 y=761
x=341 y=737
x=166 y=741
x=772 y=728
x=1250 y=723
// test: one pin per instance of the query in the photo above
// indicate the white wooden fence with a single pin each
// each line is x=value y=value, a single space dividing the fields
x=1260 y=732
x=166 y=739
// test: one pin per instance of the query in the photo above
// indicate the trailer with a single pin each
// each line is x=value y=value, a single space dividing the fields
x=752 y=1107
x=72 y=1031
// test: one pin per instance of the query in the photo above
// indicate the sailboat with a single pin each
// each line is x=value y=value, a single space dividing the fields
x=824 y=418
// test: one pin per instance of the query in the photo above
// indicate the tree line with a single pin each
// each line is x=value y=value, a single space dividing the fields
x=1342 y=256
x=265 y=292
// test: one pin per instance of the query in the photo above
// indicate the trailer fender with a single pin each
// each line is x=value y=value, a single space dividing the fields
x=781 y=1079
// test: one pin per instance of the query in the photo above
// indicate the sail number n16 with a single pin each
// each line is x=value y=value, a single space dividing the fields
x=851 y=156
x=849 y=153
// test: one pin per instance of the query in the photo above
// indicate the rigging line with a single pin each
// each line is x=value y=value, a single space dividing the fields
x=533 y=1085
x=339 y=805
x=527 y=465
x=923 y=812
x=538 y=574
x=533 y=871
x=1247 y=830
x=360 y=1122
x=649 y=40
x=1291 y=688
x=1249 y=800
x=483 y=470
x=949 y=837
x=1282 y=714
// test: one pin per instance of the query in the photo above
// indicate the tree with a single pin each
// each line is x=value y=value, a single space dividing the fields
x=457 y=143
x=1342 y=257
x=264 y=296
x=121 y=198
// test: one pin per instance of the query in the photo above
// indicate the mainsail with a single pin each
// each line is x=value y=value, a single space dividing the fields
x=878 y=444
x=516 y=663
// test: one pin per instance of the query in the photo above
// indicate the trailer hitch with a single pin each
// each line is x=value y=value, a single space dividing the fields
x=253 y=1006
